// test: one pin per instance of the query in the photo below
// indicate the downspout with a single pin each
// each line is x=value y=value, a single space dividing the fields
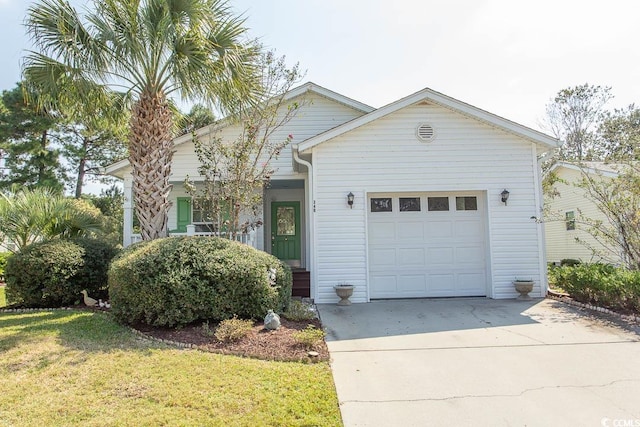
x=539 y=197
x=310 y=217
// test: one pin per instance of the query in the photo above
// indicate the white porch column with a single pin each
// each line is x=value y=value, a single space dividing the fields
x=127 y=222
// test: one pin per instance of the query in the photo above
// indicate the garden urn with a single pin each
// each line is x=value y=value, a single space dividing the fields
x=344 y=291
x=523 y=286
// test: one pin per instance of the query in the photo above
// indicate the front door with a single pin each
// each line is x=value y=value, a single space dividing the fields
x=285 y=232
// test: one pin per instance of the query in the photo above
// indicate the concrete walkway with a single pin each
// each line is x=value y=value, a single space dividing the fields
x=482 y=362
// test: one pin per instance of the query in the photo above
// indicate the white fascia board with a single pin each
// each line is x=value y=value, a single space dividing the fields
x=491 y=119
x=116 y=169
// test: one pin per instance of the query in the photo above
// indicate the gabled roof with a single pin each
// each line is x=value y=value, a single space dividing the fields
x=308 y=87
x=329 y=94
x=444 y=101
x=610 y=170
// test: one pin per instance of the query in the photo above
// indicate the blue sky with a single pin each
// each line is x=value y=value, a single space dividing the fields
x=507 y=57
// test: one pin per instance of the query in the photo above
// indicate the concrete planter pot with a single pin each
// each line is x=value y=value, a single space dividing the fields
x=523 y=287
x=344 y=291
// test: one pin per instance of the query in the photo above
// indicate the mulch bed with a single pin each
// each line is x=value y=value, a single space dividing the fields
x=260 y=343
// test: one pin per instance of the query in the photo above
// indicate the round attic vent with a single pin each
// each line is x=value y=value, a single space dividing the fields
x=425 y=132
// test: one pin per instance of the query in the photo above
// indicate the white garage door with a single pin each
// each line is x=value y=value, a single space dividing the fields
x=427 y=245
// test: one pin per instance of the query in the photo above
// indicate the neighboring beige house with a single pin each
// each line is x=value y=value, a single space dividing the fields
x=425 y=197
x=565 y=213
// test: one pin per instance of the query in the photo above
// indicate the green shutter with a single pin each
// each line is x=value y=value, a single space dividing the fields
x=184 y=214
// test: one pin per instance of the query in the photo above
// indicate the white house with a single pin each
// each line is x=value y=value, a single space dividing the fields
x=565 y=232
x=427 y=175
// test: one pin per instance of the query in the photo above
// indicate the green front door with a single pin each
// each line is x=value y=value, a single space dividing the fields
x=285 y=230
x=184 y=214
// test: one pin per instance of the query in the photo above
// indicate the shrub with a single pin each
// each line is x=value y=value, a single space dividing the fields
x=52 y=273
x=232 y=330
x=299 y=311
x=569 y=262
x=179 y=280
x=599 y=284
x=309 y=337
x=4 y=256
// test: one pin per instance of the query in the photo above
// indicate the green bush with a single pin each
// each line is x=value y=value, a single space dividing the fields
x=52 y=273
x=299 y=311
x=232 y=330
x=569 y=262
x=178 y=280
x=4 y=256
x=599 y=284
x=309 y=337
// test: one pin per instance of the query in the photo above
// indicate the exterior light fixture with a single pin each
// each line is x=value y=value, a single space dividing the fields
x=350 y=198
x=504 y=196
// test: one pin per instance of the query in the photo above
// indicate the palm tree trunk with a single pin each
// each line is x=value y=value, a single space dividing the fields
x=82 y=168
x=150 y=154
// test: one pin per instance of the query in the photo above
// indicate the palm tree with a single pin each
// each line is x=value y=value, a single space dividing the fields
x=154 y=49
x=29 y=216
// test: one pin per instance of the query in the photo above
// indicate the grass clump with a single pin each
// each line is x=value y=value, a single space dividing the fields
x=299 y=311
x=309 y=337
x=232 y=330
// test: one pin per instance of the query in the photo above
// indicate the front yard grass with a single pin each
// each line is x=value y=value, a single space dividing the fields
x=66 y=368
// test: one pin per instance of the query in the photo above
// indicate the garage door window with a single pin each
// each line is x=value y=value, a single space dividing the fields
x=409 y=204
x=382 y=204
x=437 y=204
x=466 y=204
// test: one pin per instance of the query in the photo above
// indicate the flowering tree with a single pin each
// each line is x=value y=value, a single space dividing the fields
x=236 y=172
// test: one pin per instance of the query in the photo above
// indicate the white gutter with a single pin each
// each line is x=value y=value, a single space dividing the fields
x=310 y=220
x=539 y=200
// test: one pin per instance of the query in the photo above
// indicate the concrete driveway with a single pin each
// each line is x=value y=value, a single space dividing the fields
x=482 y=362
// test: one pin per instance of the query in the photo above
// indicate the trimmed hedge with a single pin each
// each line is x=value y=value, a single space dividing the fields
x=178 y=280
x=52 y=273
x=599 y=284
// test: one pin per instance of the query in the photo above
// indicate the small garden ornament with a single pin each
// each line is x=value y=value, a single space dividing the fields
x=88 y=301
x=271 y=321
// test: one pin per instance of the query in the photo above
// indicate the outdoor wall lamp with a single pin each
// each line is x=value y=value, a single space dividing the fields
x=504 y=196
x=350 y=198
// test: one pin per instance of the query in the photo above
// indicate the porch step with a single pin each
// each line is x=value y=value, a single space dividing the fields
x=301 y=283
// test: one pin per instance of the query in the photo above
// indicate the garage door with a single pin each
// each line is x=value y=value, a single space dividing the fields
x=426 y=245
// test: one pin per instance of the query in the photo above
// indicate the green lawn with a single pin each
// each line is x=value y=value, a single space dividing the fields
x=66 y=368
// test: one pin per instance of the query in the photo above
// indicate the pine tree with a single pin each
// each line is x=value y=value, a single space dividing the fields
x=29 y=159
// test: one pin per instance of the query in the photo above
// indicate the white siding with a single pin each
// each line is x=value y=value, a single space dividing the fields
x=316 y=115
x=386 y=156
x=561 y=243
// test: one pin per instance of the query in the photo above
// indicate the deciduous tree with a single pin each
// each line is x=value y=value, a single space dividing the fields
x=236 y=172
x=573 y=117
